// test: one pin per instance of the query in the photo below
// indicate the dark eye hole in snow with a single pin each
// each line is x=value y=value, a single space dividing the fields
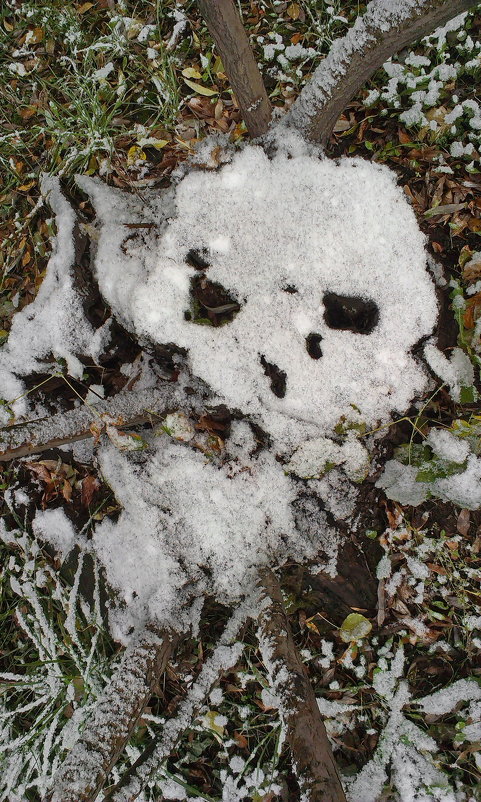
x=276 y=376
x=313 y=345
x=350 y=313
x=198 y=258
x=289 y=288
x=210 y=303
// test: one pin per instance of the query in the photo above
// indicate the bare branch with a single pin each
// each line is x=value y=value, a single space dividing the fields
x=224 y=656
x=385 y=28
x=84 y=772
x=134 y=408
x=231 y=40
x=305 y=732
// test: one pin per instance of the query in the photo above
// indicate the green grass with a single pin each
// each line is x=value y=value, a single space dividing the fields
x=57 y=114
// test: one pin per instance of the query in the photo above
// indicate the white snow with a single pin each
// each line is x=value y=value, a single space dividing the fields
x=54 y=323
x=456 y=370
x=190 y=523
x=447 y=446
x=54 y=527
x=268 y=225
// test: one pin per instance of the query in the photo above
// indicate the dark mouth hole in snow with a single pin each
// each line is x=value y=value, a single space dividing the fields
x=289 y=288
x=210 y=303
x=198 y=258
x=313 y=345
x=276 y=376
x=350 y=313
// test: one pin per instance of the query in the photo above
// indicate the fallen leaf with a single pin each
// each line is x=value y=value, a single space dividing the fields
x=191 y=72
x=67 y=490
x=354 y=627
x=474 y=225
x=27 y=112
x=294 y=11
x=135 y=154
x=201 y=90
x=240 y=740
x=448 y=208
x=90 y=485
x=26 y=187
x=464 y=522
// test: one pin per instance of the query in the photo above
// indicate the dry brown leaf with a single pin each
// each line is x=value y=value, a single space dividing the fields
x=90 y=485
x=293 y=11
x=464 y=522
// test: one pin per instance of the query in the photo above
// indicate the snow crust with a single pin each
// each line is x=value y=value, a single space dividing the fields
x=295 y=221
x=190 y=525
x=278 y=235
x=54 y=527
x=54 y=323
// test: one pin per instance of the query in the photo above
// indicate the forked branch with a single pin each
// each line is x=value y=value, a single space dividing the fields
x=304 y=729
x=386 y=27
x=84 y=772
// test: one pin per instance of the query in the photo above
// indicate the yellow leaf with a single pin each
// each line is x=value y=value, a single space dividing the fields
x=84 y=7
x=201 y=90
x=26 y=187
x=218 y=67
x=27 y=112
x=35 y=37
x=134 y=154
x=294 y=10
x=211 y=722
x=26 y=258
x=191 y=72
x=354 y=627
x=159 y=143
x=7 y=25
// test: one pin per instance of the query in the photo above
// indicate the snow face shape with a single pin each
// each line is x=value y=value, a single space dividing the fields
x=320 y=275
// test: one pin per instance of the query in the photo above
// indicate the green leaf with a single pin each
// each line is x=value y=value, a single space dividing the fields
x=467 y=395
x=354 y=627
x=438 y=469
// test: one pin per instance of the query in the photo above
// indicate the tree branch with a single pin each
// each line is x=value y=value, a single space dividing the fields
x=231 y=40
x=385 y=28
x=224 y=656
x=305 y=732
x=84 y=772
x=134 y=408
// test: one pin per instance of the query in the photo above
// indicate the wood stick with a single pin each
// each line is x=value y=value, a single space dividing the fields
x=231 y=41
x=134 y=408
x=83 y=774
x=382 y=31
x=226 y=653
x=306 y=735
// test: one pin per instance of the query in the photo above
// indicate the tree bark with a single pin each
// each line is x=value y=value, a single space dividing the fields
x=231 y=40
x=384 y=29
x=84 y=772
x=224 y=656
x=133 y=408
x=305 y=732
